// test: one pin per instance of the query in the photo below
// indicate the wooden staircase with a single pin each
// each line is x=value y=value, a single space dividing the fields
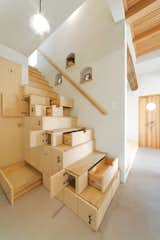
x=64 y=152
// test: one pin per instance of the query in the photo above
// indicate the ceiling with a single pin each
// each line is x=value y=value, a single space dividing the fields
x=15 y=21
x=144 y=19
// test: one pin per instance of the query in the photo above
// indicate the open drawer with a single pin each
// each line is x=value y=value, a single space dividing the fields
x=102 y=173
x=93 y=204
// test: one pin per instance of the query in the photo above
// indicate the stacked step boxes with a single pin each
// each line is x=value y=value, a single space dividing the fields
x=84 y=179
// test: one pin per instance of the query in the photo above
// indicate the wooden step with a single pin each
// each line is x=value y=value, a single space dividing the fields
x=64 y=101
x=39 y=100
x=33 y=69
x=50 y=123
x=28 y=90
x=76 y=138
x=18 y=179
x=38 y=80
x=40 y=86
x=93 y=204
x=84 y=164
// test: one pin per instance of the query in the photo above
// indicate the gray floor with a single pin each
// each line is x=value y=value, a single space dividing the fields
x=133 y=215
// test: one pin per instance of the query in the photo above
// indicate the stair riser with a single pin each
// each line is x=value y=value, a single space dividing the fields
x=35 y=91
x=40 y=86
x=38 y=80
x=77 y=138
x=50 y=123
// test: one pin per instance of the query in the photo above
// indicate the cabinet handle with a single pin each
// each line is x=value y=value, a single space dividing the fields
x=39 y=123
x=90 y=219
x=58 y=159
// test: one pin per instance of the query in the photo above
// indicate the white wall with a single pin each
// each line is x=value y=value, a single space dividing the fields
x=149 y=83
x=11 y=129
x=98 y=42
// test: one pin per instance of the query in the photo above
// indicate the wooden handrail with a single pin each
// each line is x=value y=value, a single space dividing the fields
x=75 y=85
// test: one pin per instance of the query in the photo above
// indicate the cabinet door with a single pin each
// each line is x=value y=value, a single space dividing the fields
x=11 y=89
x=58 y=182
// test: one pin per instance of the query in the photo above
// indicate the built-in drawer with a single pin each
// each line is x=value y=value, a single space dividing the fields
x=102 y=174
x=37 y=138
x=37 y=110
x=93 y=204
x=50 y=123
x=79 y=137
x=54 y=111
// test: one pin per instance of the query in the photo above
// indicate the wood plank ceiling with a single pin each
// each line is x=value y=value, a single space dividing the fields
x=144 y=19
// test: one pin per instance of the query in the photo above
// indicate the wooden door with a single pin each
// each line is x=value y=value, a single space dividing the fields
x=149 y=121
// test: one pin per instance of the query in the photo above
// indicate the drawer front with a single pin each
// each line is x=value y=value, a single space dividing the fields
x=65 y=102
x=51 y=161
x=33 y=157
x=87 y=213
x=58 y=182
x=46 y=181
x=35 y=99
x=35 y=123
x=71 y=199
x=37 y=138
x=54 y=111
x=50 y=123
x=37 y=110
x=79 y=137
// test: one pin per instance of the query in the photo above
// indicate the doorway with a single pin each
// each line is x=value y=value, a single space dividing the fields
x=149 y=121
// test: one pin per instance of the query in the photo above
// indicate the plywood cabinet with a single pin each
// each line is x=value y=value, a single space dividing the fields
x=11 y=89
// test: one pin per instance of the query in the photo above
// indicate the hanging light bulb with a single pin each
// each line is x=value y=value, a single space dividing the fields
x=39 y=23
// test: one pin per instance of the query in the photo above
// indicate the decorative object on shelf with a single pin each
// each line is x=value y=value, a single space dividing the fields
x=58 y=79
x=86 y=75
x=70 y=60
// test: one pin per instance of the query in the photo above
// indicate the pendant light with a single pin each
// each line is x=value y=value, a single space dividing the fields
x=39 y=23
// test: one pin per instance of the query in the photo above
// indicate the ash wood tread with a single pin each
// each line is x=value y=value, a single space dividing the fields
x=83 y=165
x=21 y=174
x=38 y=80
x=65 y=130
x=94 y=196
x=28 y=90
x=18 y=179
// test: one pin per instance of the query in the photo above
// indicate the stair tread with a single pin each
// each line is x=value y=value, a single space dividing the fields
x=86 y=163
x=65 y=130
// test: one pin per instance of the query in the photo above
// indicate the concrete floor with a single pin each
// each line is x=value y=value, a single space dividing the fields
x=133 y=215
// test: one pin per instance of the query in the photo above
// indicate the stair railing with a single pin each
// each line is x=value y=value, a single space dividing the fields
x=74 y=84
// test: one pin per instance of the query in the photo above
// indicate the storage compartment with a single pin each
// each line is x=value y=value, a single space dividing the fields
x=64 y=102
x=79 y=137
x=93 y=204
x=50 y=123
x=102 y=173
x=37 y=138
x=18 y=179
x=37 y=110
x=54 y=111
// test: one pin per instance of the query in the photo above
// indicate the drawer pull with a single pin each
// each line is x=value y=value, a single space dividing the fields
x=39 y=123
x=89 y=219
x=58 y=159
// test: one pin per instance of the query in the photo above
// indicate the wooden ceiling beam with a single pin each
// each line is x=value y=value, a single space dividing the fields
x=147 y=34
x=147 y=43
x=131 y=74
x=140 y=9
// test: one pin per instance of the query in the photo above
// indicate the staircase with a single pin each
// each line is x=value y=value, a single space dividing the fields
x=64 y=152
